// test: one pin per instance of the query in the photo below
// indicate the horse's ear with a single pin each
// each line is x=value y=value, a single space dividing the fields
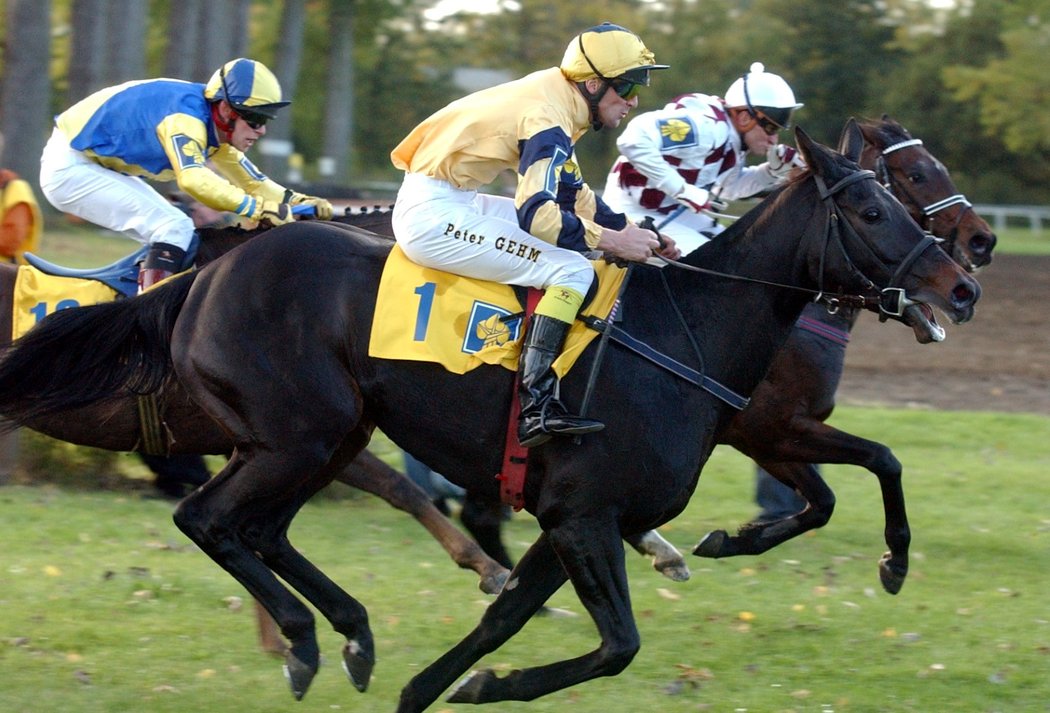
x=817 y=157
x=851 y=141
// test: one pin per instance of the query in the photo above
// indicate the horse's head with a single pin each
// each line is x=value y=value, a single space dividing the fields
x=871 y=244
x=923 y=185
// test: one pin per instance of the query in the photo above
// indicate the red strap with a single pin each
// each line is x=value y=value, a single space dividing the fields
x=516 y=456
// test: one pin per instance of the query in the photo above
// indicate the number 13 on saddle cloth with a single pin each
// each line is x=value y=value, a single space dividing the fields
x=461 y=322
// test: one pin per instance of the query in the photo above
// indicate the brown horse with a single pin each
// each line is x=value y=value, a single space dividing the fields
x=299 y=300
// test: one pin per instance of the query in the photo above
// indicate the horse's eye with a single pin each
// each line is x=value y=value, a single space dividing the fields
x=916 y=178
x=871 y=215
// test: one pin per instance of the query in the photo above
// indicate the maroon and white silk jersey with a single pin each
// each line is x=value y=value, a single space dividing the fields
x=691 y=140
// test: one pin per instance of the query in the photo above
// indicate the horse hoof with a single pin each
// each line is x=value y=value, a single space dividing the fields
x=470 y=689
x=300 y=673
x=676 y=571
x=358 y=664
x=892 y=576
x=493 y=584
x=712 y=544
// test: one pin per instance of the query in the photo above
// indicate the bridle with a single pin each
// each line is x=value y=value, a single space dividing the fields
x=888 y=301
x=900 y=189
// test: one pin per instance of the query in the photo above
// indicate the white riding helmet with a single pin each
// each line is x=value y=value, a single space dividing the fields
x=765 y=93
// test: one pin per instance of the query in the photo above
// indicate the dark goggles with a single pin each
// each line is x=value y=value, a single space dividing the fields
x=625 y=89
x=769 y=126
x=253 y=120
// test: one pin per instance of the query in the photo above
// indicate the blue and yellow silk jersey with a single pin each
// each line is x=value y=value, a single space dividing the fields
x=531 y=126
x=162 y=129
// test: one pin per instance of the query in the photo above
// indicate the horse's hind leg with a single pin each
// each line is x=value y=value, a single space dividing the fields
x=240 y=519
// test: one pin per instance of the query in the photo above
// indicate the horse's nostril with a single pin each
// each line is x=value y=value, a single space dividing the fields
x=982 y=244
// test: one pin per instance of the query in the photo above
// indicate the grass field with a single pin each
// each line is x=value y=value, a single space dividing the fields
x=107 y=607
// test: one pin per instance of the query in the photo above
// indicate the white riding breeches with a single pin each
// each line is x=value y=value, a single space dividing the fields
x=75 y=184
x=477 y=235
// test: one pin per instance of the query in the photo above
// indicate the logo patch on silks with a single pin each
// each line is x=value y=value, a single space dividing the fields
x=486 y=328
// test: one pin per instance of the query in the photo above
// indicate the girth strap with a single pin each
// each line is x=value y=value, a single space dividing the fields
x=151 y=428
x=677 y=368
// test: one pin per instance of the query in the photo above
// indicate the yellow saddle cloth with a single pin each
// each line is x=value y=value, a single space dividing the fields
x=38 y=294
x=429 y=315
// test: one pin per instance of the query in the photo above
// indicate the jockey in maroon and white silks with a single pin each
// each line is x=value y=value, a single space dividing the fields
x=680 y=159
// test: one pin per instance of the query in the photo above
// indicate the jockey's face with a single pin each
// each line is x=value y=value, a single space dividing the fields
x=755 y=137
x=243 y=136
x=612 y=108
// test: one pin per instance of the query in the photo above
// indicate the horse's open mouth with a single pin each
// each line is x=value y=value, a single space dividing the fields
x=923 y=322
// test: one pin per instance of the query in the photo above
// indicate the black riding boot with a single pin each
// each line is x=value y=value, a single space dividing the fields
x=542 y=414
x=162 y=261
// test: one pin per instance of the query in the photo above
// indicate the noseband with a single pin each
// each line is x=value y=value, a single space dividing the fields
x=892 y=299
x=898 y=188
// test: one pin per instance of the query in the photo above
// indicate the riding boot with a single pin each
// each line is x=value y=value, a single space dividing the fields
x=542 y=413
x=162 y=261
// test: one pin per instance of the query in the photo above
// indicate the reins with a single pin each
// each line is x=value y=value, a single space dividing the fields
x=890 y=301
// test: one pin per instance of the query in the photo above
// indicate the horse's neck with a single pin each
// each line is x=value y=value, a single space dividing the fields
x=730 y=317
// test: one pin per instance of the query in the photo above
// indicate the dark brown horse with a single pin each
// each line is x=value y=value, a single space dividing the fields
x=185 y=429
x=272 y=341
x=784 y=427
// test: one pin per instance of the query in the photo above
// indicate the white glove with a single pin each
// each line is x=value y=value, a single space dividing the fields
x=694 y=198
x=781 y=160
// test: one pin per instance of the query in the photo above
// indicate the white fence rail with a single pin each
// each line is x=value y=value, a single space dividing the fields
x=1003 y=215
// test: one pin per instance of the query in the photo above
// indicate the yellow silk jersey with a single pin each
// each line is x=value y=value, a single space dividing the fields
x=530 y=125
x=162 y=129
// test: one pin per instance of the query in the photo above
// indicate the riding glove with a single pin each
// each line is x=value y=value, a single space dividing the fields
x=322 y=208
x=272 y=212
x=781 y=160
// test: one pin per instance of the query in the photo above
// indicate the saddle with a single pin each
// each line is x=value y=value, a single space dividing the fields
x=424 y=314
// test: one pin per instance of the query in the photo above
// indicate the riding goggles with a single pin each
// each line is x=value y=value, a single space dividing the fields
x=253 y=120
x=625 y=89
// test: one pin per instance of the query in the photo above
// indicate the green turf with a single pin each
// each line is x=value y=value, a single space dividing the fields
x=107 y=607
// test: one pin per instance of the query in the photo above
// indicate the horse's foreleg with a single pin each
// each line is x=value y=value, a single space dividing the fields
x=593 y=557
x=667 y=560
x=535 y=578
x=757 y=537
x=369 y=473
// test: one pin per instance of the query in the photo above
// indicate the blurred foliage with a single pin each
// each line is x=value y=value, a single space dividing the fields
x=967 y=78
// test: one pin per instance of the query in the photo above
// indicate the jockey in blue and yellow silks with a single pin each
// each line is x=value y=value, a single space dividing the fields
x=529 y=126
x=167 y=129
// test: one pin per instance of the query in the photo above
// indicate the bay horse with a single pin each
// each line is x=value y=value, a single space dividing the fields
x=784 y=428
x=272 y=341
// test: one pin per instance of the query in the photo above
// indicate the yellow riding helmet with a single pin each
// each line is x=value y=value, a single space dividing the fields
x=249 y=87
x=608 y=52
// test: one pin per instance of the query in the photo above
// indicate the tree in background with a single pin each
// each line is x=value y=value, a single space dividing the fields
x=967 y=78
x=25 y=94
x=1012 y=88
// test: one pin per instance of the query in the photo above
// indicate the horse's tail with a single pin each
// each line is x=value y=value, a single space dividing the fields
x=76 y=357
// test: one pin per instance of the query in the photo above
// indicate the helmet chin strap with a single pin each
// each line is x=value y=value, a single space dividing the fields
x=592 y=102
x=224 y=127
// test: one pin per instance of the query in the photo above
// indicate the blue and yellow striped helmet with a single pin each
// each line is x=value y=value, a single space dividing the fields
x=248 y=86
